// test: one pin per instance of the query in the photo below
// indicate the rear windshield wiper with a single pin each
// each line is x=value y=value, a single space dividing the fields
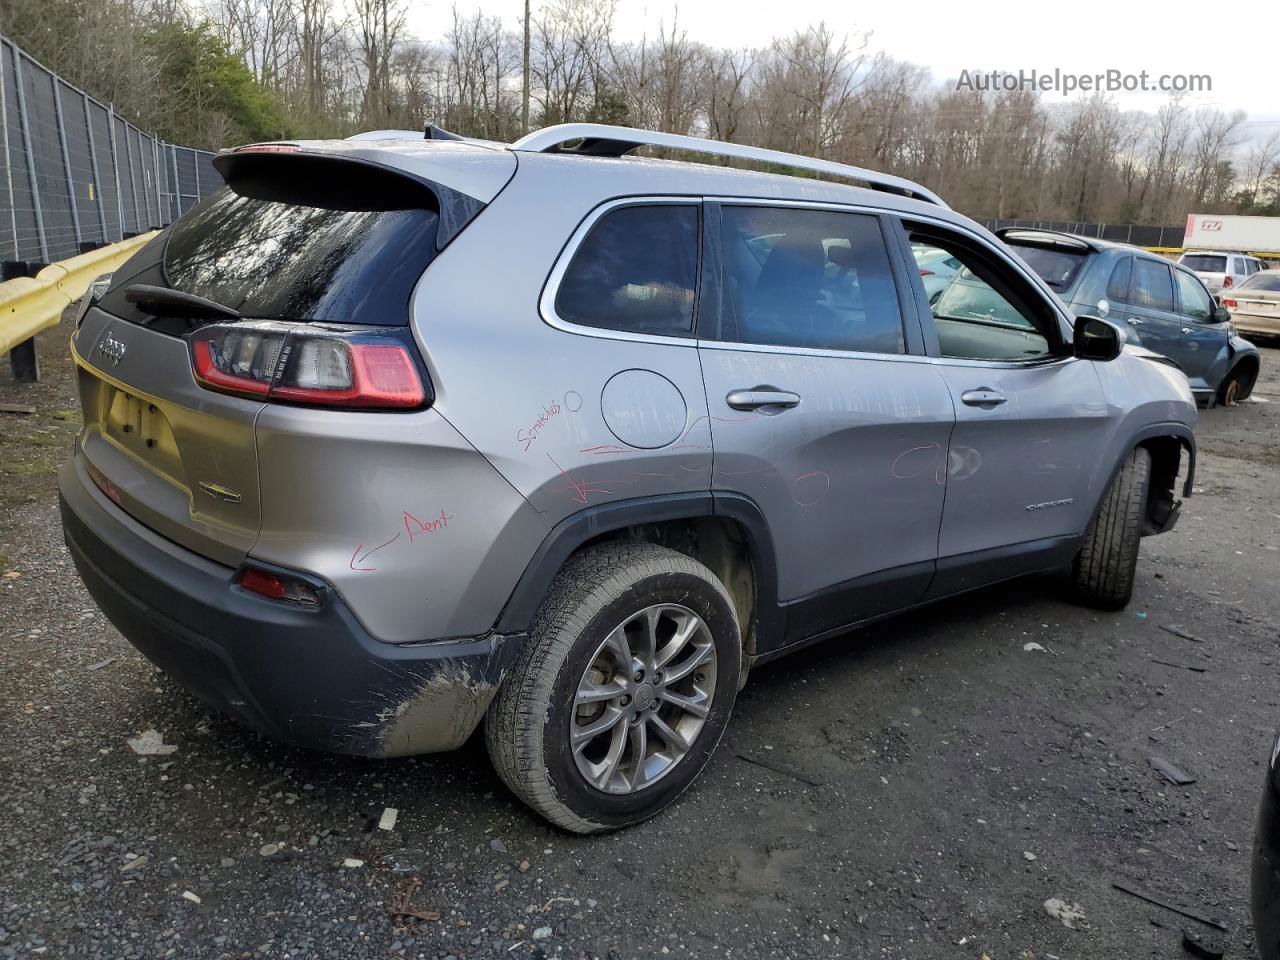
x=167 y=302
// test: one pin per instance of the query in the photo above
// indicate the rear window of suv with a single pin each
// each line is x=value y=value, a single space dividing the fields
x=1057 y=268
x=1203 y=263
x=285 y=261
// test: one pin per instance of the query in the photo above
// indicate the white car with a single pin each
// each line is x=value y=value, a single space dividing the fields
x=937 y=268
x=1221 y=270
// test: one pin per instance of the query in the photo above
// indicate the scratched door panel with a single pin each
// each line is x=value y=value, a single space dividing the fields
x=1023 y=470
x=852 y=478
x=532 y=397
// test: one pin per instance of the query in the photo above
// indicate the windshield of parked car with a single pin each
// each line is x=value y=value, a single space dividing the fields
x=1204 y=263
x=1057 y=268
x=1262 y=281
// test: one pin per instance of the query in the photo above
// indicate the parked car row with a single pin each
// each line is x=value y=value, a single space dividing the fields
x=1163 y=306
x=1221 y=270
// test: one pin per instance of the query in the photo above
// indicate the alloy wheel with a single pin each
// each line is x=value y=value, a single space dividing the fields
x=643 y=698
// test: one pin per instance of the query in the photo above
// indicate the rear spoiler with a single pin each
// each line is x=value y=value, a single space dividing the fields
x=1047 y=238
x=288 y=173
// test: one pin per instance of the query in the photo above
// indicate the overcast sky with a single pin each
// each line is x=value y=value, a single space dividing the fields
x=1083 y=36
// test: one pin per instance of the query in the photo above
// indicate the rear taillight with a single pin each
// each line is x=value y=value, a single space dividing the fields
x=106 y=486
x=279 y=586
x=1227 y=280
x=925 y=273
x=301 y=363
x=1230 y=304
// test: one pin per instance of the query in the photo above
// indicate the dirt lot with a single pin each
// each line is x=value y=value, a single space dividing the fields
x=914 y=790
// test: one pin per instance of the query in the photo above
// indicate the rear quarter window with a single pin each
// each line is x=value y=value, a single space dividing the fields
x=636 y=271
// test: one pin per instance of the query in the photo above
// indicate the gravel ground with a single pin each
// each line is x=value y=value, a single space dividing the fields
x=918 y=789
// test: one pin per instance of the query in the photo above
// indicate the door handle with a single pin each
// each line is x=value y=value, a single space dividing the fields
x=1134 y=321
x=761 y=398
x=983 y=397
x=1187 y=330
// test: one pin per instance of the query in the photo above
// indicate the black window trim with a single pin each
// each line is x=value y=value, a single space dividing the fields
x=1062 y=352
x=551 y=287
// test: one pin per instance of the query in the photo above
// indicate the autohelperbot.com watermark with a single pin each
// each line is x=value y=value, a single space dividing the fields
x=1066 y=83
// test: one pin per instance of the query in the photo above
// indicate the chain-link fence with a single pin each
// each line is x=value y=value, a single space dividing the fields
x=74 y=174
x=1138 y=235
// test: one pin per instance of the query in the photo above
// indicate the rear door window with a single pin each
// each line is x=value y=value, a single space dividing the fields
x=1152 y=286
x=815 y=279
x=636 y=272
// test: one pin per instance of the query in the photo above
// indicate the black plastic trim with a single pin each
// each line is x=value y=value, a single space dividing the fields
x=573 y=531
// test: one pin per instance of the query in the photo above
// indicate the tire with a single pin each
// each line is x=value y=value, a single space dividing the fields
x=1236 y=386
x=1104 y=568
x=572 y=652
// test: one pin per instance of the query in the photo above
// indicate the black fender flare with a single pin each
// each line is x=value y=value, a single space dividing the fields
x=578 y=528
x=1169 y=428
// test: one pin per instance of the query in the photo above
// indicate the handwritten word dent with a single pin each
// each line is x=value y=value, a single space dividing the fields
x=412 y=526
x=410 y=521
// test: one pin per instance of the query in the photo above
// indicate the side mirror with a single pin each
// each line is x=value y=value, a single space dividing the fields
x=1221 y=314
x=1096 y=339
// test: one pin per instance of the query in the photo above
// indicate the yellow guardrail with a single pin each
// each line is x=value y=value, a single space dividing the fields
x=31 y=304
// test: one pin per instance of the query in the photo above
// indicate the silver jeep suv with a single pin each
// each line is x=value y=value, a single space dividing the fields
x=390 y=437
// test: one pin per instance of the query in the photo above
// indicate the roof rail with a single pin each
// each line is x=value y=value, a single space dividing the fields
x=602 y=140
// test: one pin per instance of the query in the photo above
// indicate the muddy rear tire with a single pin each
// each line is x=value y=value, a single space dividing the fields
x=1103 y=571
x=622 y=690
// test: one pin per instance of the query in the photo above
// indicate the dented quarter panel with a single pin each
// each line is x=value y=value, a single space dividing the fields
x=412 y=527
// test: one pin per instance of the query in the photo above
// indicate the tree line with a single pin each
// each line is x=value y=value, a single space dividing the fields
x=232 y=71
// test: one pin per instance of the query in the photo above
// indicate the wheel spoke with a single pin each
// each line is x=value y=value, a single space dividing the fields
x=620 y=649
x=684 y=633
x=679 y=746
x=701 y=654
x=647 y=654
x=609 y=766
x=696 y=705
x=639 y=734
x=590 y=693
x=582 y=735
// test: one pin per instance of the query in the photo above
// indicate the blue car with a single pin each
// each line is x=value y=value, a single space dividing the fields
x=1161 y=305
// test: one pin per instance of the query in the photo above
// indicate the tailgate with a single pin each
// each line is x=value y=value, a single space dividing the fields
x=179 y=459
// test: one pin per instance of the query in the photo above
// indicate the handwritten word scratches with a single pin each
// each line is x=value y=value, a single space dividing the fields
x=411 y=522
x=527 y=436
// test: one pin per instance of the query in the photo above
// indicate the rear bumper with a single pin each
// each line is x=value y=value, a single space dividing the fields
x=1266 y=867
x=310 y=677
x=1254 y=324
